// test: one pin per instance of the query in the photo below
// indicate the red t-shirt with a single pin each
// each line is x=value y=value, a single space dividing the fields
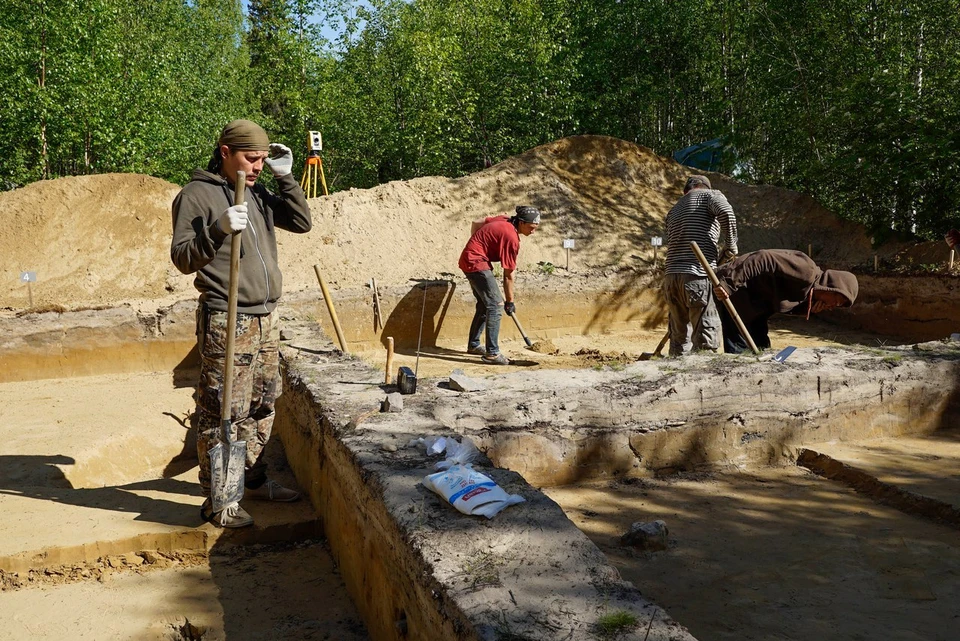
x=497 y=241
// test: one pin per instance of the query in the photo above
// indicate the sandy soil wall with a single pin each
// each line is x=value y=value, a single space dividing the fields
x=104 y=240
x=409 y=560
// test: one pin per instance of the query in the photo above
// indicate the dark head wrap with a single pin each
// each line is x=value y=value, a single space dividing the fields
x=527 y=214
x=244 y=135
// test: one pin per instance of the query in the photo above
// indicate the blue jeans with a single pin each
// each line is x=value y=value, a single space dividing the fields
x=487 y=313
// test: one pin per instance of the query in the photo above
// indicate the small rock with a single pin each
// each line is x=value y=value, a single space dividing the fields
x=463 y=383
x=647 y=536
x=388 y=447
x=392 y=403
x=133 y=560
x=151 y=556
x=115 y=562
x=285 y=335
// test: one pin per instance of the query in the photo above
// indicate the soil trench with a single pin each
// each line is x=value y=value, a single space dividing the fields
x=777 y=553
x=101 y=537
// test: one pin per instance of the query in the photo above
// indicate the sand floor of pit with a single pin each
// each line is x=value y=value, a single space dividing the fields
x=104 y=462
x=778 y=554
x=776 y=551
x=241 y=594
x=601 y=350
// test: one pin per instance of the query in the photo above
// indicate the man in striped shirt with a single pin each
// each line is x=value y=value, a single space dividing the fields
x=702 y=214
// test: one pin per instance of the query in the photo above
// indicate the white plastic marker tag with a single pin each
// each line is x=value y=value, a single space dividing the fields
x=568 y=243
x=656 y=241
x=28 y=277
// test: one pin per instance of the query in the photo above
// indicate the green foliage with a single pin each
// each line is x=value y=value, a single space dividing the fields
x=545 y=267
x=439 y=87
x=614 y=624
x=851 y=102
x=95 y=86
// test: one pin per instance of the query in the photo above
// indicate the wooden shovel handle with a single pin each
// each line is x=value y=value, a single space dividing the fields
x=330 y=308
x=663 y=342
x=729 y=303
x=520 y=329
x=239 y=191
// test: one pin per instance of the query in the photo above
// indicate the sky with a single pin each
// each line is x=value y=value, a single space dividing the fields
x=329 y=31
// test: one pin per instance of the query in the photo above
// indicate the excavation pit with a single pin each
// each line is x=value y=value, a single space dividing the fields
x=403 y=555
x=588 y=416
x=566 y=429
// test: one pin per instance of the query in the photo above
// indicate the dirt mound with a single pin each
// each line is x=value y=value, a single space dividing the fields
x=92 y=240
x=774 y=218
x=104 y=240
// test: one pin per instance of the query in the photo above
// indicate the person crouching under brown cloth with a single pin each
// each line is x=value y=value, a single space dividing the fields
x=770 y=281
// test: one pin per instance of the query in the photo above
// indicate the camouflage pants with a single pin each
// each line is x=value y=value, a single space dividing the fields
x=256 y=386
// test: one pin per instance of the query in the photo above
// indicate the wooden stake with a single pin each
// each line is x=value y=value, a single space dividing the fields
x=333 y=313
x=876 y=263
x=388 y=378
x=810 y=251
x=953 y=253
x=377 y=312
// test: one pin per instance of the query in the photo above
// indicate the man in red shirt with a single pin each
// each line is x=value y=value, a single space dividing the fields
x=494 y=239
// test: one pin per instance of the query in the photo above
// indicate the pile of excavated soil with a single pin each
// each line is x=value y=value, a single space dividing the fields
x=91 y=240
x=104 y=240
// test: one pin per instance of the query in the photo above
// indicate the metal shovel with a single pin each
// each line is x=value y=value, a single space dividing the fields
x=646 y=356
x=516 y=320
x=228 y=458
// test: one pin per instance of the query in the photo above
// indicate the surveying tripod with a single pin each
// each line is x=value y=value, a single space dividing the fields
x=311 y=168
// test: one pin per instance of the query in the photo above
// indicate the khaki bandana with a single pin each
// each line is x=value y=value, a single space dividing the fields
x=244 y=135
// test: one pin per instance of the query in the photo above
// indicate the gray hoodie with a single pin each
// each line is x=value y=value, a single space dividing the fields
x=199 y=245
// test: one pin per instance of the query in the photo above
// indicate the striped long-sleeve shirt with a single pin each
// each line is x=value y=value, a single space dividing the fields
x=700 y=215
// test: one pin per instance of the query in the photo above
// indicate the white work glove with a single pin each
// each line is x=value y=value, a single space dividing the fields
x=233 y=220
x=280 y=160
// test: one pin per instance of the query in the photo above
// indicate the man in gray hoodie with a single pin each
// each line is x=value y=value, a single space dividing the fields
x=204 y=218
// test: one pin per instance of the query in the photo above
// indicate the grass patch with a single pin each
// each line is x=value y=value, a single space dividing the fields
x=611 y=626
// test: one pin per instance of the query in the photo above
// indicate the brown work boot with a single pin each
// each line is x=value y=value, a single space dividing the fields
x=272 y=491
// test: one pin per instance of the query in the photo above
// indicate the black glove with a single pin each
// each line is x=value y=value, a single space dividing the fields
x=510 y=308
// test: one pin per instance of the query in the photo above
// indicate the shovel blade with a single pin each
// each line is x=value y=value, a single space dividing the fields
x=227 y=466
x=784 y=354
